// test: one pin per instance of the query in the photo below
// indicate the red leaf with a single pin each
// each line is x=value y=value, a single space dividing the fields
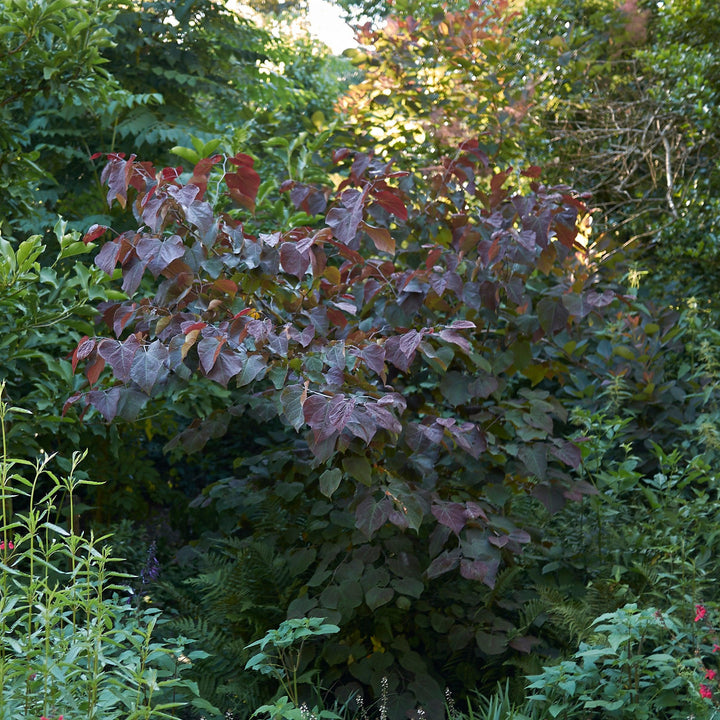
x=201 y=173
x=534 y=171
x=94 y=369
x=83 y=349
x=71 y=401
x=189 y=327
x=244 y=183
x=168 y=174
x=391 y=202
x=94 y=233
x=381 y=237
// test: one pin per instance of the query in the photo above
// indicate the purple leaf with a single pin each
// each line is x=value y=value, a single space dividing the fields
x=552 y=314
x=400 y=349
x=370 y=515
x=159 y=254
x=107 y=258
x=106 y=402
x=455 y=338
x=444 y=562
x=149 y=365
x=208 y=350
x=119 y=355
x=293 y=261
x=228 y=364
x=327 y=417
x=483 y=570
x=133 y=270
x=450 y=514
x=569 y=453
x=345 y=220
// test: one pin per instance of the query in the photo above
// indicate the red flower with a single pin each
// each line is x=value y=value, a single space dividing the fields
x=710 y=674
x=705 y=691
x=700 y=612
x=10 y=545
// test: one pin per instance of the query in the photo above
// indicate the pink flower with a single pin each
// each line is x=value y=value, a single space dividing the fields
x=10 y=545
x=710 y=674
x=700 y=612
x=716 y=647
x=705 y=691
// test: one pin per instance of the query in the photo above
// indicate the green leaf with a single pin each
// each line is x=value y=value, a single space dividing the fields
x=329 y=481
x=359 y=467
x=376 y=597
x=186 y=154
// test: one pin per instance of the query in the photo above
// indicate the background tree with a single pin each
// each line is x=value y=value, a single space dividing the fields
x=49 y=52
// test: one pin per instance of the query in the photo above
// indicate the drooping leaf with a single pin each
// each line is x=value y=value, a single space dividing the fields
x=291 y=399
x=94 y=232
x=328 y=416
x=445 y=562
x=149 y=366
x=345 y=220
x=381 y=238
